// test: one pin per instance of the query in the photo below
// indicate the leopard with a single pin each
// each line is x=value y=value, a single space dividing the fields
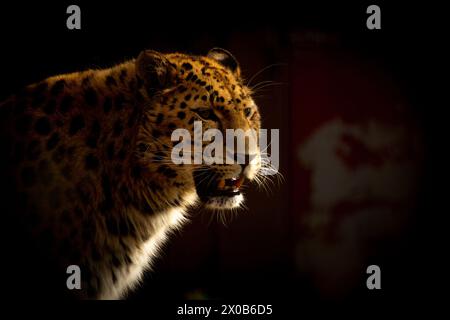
x=86 y=172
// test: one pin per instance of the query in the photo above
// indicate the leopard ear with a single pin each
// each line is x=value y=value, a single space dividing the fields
x=154 y=68
x=226 y=59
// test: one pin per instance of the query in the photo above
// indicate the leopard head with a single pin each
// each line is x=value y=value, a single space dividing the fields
x=184 y=92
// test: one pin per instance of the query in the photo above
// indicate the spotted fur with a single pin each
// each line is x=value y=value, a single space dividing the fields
x=87 y=160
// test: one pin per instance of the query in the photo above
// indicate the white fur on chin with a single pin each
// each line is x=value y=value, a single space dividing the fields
x=224 y=202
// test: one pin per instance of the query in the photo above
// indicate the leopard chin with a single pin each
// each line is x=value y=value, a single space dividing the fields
x=224 y=202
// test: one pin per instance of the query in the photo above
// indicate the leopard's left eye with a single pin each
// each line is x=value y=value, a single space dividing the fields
x=206 y=114
x=248 y=112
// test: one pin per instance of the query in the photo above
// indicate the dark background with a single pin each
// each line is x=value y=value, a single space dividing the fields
x=254 y=258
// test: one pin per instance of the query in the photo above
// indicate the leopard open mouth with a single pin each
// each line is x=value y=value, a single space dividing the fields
x=211 y=188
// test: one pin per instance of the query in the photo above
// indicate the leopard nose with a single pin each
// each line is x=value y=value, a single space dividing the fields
x=243 y=166
x=244 y=160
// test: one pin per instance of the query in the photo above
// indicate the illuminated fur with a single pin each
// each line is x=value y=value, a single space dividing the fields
x=90 y=157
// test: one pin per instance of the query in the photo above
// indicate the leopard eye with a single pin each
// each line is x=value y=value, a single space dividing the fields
x=206 y=114
x=248 y=112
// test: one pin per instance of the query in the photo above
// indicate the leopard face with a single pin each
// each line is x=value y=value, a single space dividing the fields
x=209 y=90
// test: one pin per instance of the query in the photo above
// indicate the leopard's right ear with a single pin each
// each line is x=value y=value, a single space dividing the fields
x=155 y=70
